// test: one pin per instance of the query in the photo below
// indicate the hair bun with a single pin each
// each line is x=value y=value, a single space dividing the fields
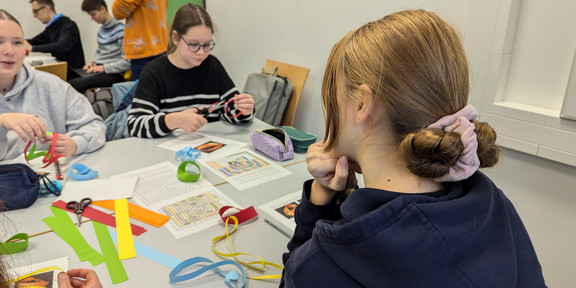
x=431 y=152
x=488 y=151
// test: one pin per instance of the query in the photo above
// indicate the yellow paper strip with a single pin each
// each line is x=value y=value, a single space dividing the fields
x=126 y=248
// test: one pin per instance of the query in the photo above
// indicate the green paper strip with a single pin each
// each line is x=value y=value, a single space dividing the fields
x=67 y=230
x=113 y=263
x=14 y=247
x=186 y=176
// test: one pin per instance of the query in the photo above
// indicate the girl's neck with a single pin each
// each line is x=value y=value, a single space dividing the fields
x=6 y=85
x=176 y=61
x=385 y=170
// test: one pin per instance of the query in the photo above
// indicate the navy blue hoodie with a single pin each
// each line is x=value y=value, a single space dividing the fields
x=468 y=235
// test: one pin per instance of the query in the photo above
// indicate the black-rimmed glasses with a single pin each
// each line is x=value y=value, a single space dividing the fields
x=35 y=11
x=195 y=47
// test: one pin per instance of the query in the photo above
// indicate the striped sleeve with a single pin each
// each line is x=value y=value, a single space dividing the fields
x=145 y=119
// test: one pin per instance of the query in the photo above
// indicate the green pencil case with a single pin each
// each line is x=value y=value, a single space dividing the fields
x=300 y=139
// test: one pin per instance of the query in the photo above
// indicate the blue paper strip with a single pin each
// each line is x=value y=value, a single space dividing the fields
x=150 y=253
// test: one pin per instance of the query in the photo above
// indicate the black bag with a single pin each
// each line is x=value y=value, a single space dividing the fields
x=101 y=100
x=20 y=186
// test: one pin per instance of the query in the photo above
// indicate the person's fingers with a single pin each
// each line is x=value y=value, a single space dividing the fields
x=63 y=280
x=340 y=178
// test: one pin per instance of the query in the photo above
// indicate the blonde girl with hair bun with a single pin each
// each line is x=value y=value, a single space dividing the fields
x=394 y=95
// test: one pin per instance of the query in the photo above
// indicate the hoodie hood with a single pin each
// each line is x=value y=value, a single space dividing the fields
x=441 y=239
x=23 y=79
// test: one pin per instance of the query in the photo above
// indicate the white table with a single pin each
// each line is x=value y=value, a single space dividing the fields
x=116 y=157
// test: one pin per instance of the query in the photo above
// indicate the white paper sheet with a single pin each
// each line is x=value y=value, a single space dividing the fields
x=191 y=206
x=207 y=144
x=99 y=189
x=244 y=168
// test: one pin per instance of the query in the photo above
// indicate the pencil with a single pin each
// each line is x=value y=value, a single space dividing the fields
x=58 y=171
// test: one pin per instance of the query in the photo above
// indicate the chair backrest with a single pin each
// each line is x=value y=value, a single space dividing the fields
x=297 y=76
x=59 y=69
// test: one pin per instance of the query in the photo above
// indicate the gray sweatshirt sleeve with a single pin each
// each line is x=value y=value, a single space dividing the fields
x=85 y=127
x=120 y=65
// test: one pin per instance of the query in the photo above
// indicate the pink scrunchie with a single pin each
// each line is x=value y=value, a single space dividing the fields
x=460 y=122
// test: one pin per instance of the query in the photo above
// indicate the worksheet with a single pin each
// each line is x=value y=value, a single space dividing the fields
x=191 y=206
x=244 y=168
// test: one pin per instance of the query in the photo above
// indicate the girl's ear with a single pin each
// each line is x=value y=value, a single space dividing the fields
x=365 y=105
x=27 y=52
x=175 y=37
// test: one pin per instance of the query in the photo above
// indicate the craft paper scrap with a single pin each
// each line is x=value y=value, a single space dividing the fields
x=244 y=169
x=138 y=213
x=113 y=264
x=125 y=241
x=65 y=229
x=99 y=189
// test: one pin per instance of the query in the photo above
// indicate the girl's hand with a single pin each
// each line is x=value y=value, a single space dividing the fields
x=64 y=145
x=76 y=278
x=28 y=127
x=245 y=103
x=331 y=174
x=188 y=120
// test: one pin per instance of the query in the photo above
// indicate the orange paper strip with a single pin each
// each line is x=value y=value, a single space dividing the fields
x=138 y=213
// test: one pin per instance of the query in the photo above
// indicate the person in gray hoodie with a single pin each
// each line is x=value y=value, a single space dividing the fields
x=33 y=103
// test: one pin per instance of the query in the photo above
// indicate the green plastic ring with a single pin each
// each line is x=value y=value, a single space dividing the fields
x=186 y=176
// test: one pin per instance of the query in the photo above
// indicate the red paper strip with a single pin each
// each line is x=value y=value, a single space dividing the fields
x=100 y=216
x=242 y=215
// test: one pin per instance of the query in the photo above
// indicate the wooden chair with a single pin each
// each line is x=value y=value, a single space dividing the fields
x=59 y=69
x=297 y=76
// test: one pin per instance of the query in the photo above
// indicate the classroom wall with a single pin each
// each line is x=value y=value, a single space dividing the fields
x=302 y=32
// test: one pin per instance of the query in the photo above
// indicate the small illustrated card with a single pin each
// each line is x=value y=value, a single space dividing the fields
x=280 y=212
x=43 y=274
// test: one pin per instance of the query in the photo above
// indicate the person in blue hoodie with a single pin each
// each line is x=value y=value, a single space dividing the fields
x=395 y=95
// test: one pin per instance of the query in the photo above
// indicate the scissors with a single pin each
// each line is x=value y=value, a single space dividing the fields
x=224 y=104
x=78 y=207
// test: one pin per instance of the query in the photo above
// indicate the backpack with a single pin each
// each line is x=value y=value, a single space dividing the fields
x=116 y=124
x=271 y=94
x=101 y=100
x=20 y=186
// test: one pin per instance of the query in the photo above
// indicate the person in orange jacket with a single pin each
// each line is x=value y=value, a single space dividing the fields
x=146 y=32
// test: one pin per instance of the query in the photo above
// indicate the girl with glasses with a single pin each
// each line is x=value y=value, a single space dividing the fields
x=395 y=95
x=188 y=87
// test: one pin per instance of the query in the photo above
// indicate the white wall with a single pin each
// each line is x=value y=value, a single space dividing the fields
x=302 y=32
